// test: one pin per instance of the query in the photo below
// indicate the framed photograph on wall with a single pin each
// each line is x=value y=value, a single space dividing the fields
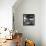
x=29 y=19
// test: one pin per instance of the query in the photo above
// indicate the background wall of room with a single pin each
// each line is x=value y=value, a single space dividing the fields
x=29 y=7
x=35 y=32
x=6 y=13
x=43 y=22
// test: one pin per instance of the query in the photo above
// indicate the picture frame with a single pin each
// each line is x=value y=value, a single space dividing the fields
x=28 y=19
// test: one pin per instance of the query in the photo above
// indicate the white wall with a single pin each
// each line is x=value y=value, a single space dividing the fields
x=6 y=13
x=43 y=22
x=29 y=7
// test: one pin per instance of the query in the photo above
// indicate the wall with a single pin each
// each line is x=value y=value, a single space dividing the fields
x=43 y=22
x=28 y=7
x=6 y=13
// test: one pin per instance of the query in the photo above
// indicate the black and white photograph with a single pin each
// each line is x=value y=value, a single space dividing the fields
x=28 y=19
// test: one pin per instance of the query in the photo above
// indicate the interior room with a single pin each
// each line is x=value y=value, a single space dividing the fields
x=22 y=23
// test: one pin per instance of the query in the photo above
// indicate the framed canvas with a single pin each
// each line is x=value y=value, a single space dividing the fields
x=29 y=19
